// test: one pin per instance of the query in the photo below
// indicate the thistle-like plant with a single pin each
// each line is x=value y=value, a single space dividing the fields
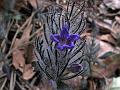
x=61 y=52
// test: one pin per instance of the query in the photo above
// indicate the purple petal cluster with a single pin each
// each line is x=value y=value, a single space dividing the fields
x=64 y=40
x=75 y=68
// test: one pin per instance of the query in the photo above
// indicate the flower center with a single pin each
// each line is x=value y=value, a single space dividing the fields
x=64 y=41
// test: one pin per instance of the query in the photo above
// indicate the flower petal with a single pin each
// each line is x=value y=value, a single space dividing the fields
x=55 y=38
x=61 y=47
x=70 y=45
x=64 y=32
x=65 y=46
x=73 y=37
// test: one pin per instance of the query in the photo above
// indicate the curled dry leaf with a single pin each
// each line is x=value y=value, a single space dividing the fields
x=41 y=4
x=105 y=27
x=108 y=38
x=104 y=48
x=28 y=72
x=109 y=70
x=117 y=18
x=116 y=29
x=101 y=72
x=18 y=55
x=26 y=34
x=113 y=4
x=33 y=3
x=18 y=58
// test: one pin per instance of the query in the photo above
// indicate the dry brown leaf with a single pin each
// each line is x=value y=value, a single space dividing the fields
x=39 y=3
x=33 y=3
x=99 y=71
x=105 y=47
x=116 y=29
x=28 y=72
x=113 y=4
x=107 y=38
x=18 y=58
x=117 y=18
x=18 y=54
x=108 y=71
x=105 y=27
x=26 y=34
x=108 y=62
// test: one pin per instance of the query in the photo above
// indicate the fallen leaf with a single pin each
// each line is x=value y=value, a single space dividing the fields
x=116 y=29
x=18 y=54
x=109 y=70
x=107 y=38
x=19 y=60
x=113 y=4
x=101 y=72
x=26 y=34
x=33 y=3
x=18 y=57
x=104 y=27
x=41 y=4
x=105 y=48
x=28 y=72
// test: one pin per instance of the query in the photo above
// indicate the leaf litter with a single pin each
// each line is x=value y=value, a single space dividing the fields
x=15 y=43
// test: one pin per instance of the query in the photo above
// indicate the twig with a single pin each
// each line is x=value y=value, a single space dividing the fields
x=12 y=81
x=27 y=22
x=3 y=43
x=2 y=87
x=22 y=88
x=3 y=75
x=35 y=33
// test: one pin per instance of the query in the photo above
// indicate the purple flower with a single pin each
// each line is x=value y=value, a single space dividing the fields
x=64 y=40
x=75 y=68
x=53 y=84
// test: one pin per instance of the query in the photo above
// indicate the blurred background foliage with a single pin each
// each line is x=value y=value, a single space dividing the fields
x=19 y=25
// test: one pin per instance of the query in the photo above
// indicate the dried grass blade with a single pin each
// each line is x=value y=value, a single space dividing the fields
x=3 y=85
